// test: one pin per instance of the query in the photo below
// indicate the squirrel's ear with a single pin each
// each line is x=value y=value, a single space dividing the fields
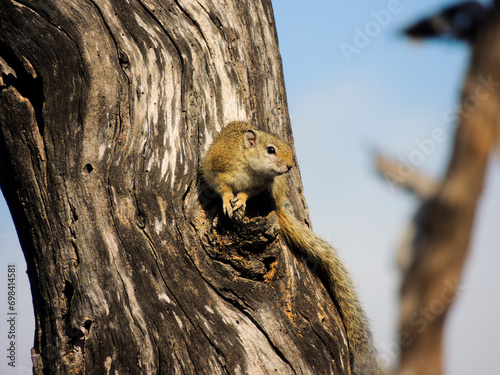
x=250 y=139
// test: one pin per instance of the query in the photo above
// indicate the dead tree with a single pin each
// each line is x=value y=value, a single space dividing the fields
x=437 y=243
x=105 y=109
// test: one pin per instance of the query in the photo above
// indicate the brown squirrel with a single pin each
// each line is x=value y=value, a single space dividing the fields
x=243 y=161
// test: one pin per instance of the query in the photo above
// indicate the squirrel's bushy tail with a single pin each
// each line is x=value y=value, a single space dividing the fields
x=300 y=238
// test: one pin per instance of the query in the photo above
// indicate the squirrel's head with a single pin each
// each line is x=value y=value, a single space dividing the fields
x=267 y=153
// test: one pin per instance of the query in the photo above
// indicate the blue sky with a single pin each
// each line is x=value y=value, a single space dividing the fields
x=390 y=95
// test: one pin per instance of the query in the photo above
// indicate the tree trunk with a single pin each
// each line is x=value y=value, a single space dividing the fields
x=105 y=110
x=438 y=240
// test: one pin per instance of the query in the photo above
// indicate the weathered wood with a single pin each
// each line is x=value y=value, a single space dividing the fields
x=105 y=109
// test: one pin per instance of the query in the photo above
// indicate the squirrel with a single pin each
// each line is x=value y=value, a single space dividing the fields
x=242 y=162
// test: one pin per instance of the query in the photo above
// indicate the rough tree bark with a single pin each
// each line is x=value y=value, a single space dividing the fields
x=437 y=243
x=105 y=109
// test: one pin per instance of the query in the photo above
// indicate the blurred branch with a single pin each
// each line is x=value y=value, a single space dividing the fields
x=459 y=21
x=440 y=231
x=415 y=182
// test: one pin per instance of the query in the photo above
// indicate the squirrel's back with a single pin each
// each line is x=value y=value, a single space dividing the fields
x=228 y=142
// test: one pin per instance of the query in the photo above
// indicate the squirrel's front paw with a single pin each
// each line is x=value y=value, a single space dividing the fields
x=234 y=203
x=227 y=205
x=239 y=202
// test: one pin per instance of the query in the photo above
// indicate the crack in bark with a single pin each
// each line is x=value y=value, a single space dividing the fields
x=196 y=23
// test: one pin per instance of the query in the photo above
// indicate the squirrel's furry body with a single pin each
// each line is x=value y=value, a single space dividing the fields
x=242 y=162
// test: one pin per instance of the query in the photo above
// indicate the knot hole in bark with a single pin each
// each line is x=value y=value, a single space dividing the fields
x=247 y=244
x=88 y=168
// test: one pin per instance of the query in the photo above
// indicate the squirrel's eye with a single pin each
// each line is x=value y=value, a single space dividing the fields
x=271 y=150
